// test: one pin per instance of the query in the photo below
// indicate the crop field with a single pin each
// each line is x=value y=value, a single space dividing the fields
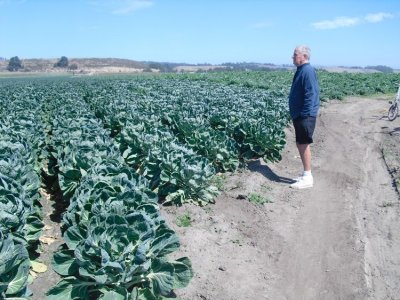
x=114 y=149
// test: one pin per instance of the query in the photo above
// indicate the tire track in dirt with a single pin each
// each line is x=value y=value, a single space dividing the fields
x=340 y=249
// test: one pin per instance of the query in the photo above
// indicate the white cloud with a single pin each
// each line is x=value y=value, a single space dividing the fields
x=123 y=7
x=348 y=22
x=336 y=23
x=378 y=17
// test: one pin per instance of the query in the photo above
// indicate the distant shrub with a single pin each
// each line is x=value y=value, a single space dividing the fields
x=73 y=67
x=14 y=64
x=383 y=69
x=62 y=63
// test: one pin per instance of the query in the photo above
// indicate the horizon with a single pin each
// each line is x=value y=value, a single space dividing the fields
x=344 y=33
x=199 y=64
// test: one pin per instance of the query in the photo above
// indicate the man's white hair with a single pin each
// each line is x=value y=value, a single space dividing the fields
x=303 y=49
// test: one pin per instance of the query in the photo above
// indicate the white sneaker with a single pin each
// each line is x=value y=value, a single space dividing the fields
x=303 y=183
x=297 y=178
x=300 y=176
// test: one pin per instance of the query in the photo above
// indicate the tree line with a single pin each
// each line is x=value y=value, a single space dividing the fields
x=15 y=64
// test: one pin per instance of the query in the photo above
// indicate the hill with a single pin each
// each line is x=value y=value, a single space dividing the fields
x=80 y=65
x=117 y=65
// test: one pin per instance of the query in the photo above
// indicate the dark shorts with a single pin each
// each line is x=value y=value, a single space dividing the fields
x=304 y=128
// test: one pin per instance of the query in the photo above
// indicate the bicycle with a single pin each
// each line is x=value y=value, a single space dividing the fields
x=394 y=107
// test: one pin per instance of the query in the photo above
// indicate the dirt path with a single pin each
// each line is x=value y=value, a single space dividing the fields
x=338 y=240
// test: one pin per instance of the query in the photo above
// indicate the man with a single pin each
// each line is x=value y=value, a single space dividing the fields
x=303 y=107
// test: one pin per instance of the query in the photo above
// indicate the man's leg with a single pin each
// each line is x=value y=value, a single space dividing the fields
x=306 y=180
x=305 y=155
x=304 y=129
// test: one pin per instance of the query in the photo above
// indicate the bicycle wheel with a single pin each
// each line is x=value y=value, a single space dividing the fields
x=393 y=111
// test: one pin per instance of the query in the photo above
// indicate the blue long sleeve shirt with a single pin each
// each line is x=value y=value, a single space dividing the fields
x=304 y=93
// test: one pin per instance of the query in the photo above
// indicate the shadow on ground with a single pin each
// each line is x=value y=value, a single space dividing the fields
x=256 y=166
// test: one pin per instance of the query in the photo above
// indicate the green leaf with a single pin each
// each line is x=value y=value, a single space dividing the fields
x=33 y=228
x=183 y=272
x=70 y=288
x=73 y=174
x=177 y=197
x=143 y=294
x=119 y=293
x=219 y=157
x=19 y=278
x=164 y=176
x=64 y=263
x=161 y=277
x=72 y=237
x=164 y=244
x=83 y=172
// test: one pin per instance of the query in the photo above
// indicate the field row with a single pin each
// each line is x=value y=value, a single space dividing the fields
x=112 y=170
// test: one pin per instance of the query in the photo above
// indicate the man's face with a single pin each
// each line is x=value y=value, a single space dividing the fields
x=298 y=58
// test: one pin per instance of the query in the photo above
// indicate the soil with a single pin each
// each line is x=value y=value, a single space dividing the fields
x=337 y=240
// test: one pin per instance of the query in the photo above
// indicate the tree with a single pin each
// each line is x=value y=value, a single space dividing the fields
x=62 y=63
x=14 y=64
x=73 y=67
x=383 y=69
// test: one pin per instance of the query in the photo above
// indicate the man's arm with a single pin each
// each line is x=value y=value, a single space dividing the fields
x=310 y=92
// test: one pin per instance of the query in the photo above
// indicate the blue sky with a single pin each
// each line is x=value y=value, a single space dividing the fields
x=346 y=33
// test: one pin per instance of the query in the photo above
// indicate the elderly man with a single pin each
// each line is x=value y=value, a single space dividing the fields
x=303 y=107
